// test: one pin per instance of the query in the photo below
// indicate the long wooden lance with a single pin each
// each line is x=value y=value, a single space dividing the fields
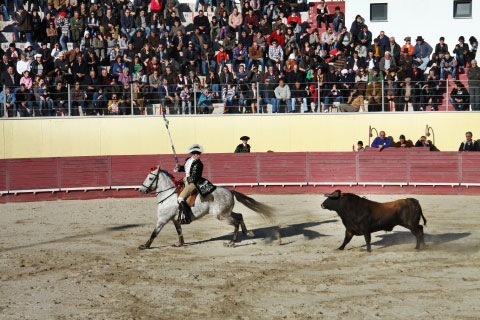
x=170 y=136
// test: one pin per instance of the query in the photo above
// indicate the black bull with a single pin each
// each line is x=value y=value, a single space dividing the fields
x=361 y=216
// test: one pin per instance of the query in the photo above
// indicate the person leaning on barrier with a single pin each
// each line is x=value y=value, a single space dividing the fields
x=469 y=144
x=424 y=143
x=473 y=75
x=354 y=103
x=381 y=142
x=403 y=143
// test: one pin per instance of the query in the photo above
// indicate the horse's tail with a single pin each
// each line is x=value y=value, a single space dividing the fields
x=264 y=210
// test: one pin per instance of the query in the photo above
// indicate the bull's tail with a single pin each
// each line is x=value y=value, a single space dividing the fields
x=419 y=211
x=264 y=210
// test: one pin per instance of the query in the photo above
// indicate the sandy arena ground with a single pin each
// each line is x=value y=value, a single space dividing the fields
x=79 y=260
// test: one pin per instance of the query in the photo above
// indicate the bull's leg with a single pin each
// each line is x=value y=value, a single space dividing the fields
x=178 y=227
x=418 y=233
x=368 y=238
x=348 y=237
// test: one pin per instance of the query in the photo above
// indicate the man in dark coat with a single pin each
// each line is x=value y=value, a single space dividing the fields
x=469 y=144
x=193 y=169
x=243 y=147
x=24 y=24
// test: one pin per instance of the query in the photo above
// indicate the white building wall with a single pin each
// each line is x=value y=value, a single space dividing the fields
x=430 y=19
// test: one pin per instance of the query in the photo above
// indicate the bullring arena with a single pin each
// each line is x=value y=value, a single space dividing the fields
x=76 y=255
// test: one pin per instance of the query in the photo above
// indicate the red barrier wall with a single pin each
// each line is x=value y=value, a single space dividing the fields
x=390 y=171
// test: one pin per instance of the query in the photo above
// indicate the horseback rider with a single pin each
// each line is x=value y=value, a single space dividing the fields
x=194 y=181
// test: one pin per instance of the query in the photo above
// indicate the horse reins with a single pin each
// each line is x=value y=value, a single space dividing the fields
x=158 y=192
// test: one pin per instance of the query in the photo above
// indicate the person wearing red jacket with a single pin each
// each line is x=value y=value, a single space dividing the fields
x=277 y=35
x=295 y=18
x=222 y=57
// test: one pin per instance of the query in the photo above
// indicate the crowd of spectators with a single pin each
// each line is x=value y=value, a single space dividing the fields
x=132 y=56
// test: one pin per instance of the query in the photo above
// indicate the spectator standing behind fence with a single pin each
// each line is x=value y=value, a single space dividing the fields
x=381 y=142
x=243 y=147
x=473 y=75
x=469 y=144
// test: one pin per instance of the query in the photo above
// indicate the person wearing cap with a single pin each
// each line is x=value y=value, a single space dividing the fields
x=243 y=147
x=403 y=143
x=473 y=75
x=421 y=53
x=408 y=46
x=61 y=22
x=193 y=180
x=38 y=67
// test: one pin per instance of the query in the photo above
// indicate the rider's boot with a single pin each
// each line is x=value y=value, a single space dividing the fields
x=187 y=212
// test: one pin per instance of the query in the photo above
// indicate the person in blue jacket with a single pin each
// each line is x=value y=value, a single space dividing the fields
x=381 y=142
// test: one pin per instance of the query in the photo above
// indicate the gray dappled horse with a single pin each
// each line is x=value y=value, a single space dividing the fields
x=220 y=202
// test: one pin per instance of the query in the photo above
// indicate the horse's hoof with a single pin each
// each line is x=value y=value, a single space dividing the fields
x=250 y=234
x=142 y=247
x=230 y=244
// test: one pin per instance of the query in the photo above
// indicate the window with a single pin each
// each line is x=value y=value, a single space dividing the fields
x=378 y=11
x=462 y=8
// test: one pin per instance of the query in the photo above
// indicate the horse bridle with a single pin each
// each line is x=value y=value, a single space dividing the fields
x=155 y=180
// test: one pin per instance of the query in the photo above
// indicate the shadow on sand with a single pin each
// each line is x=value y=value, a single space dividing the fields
x=406 y=237
x=270 y=234
x=76 y=237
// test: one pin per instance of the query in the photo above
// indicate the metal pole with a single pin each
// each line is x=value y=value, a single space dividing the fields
x=69 y=100
x=258 y=97
x=4 y=101
x=318 y=97
x=194 y=99
x=383 y=96
x=131 y=99
x=447 y=95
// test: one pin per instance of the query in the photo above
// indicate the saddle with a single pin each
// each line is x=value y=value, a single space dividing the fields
x=191 y=199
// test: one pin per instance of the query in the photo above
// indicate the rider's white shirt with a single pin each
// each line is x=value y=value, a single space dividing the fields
x=188 y=165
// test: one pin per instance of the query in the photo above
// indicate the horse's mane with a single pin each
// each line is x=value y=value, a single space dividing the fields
x=167 y=174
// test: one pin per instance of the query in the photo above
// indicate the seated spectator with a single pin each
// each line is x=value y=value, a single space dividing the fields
x=403 y=143
x=228 y=97
x=459 y=97
x=255 y=55
x=421 y=53
x=408 y=48
x=298 y=95
x=424 y=143
x=381 y=142
x=283 y=97
x=240 y=55
x=7 y=101
x=354 y=103
x=275 y=56
x=267 y=95
x=469 y=144
x=462 y=52
x=448 y=65
x=329 y=40
x=334 y=95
